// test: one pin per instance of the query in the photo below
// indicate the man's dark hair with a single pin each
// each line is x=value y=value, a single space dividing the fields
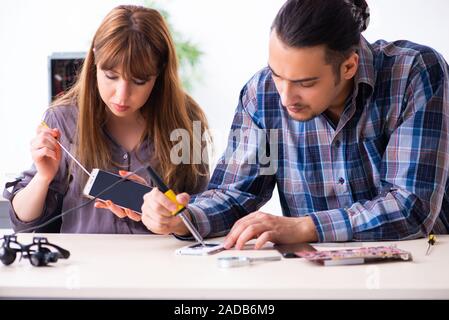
x=336 y=24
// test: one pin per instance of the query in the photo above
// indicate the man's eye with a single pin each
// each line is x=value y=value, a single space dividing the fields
x=308 y=84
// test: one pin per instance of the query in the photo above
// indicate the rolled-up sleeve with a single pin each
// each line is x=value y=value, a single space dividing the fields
x=55 y=192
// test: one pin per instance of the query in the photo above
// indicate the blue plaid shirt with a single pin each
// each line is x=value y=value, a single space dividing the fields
x=381 y=173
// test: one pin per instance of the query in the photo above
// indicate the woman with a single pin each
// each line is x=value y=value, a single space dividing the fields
x=117 y=117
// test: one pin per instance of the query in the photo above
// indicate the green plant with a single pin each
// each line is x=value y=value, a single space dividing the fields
x=188 y=53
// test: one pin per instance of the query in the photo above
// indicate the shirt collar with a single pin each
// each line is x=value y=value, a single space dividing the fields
x=366 y=72
x=366 y=77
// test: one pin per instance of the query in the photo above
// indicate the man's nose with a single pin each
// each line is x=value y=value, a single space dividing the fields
x=288 y=96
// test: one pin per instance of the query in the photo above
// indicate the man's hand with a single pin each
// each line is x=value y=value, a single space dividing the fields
x=266 y=227
x=157 y=211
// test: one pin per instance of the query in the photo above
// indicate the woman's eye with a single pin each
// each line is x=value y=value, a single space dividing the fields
x=111 y=77
x=139 y=82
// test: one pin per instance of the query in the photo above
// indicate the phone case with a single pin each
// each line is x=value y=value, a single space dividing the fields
x=125 y=194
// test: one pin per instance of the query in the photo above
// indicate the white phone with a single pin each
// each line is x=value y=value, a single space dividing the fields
x=198 y=249
x=126 y=194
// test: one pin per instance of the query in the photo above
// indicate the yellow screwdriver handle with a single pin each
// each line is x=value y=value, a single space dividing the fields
x=172 y=196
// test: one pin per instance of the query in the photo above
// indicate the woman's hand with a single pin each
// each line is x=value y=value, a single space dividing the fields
x=118 y=211
x=46 y=152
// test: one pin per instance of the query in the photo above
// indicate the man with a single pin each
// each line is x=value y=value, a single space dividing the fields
x=363 y=148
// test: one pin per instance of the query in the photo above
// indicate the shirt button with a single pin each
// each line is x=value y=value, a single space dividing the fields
x=337 y=144
x=341 y=181
x=125 y=156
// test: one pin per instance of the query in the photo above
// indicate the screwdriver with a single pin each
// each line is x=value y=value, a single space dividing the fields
x=431 y=241
x=180 y=210
x=67 y=151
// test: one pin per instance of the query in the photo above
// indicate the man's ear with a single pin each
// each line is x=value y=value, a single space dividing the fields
x=350 y=66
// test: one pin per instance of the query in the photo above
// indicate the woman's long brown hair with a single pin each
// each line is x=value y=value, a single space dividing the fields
x=138 y=40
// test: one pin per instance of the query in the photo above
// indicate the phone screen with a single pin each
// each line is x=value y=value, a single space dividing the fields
x=198 y=249
x=126 y=194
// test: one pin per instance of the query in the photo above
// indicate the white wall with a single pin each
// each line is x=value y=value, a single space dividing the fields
x=29 y=32
x=232 y=33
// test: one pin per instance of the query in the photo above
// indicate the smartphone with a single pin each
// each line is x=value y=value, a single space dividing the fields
x=289 y=250
x=126 y=194
x=198 y=249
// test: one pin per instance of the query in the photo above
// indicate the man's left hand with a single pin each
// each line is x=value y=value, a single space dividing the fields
x=266 y=227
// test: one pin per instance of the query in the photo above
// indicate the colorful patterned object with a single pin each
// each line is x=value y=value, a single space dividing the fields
x=356 y=256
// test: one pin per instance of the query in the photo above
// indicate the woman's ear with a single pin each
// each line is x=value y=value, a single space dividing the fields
x=350 y=66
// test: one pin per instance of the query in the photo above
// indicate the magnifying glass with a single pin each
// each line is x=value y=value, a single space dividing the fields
x=230 y=262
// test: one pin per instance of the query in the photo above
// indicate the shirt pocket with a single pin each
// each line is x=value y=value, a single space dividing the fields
x=372 y=150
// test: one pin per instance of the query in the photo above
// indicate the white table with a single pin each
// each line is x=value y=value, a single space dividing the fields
x=130 y=266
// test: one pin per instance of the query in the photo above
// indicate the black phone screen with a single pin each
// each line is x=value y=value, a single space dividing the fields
x=288 y=250
x=126 y=194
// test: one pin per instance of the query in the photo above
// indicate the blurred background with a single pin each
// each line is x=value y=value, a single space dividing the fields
x=223 y=43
